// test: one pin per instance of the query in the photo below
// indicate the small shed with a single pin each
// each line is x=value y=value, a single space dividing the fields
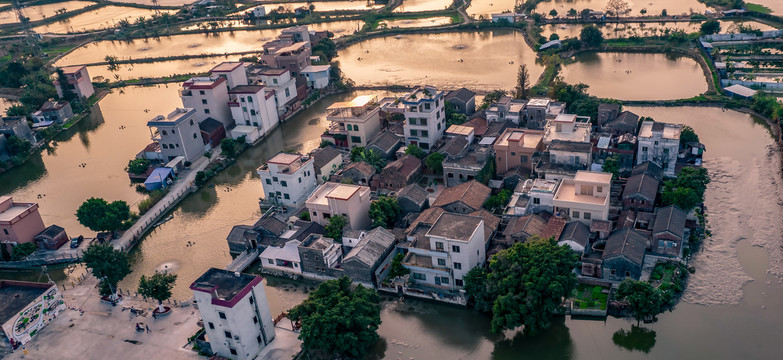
x=160 y=178
x=740 y=91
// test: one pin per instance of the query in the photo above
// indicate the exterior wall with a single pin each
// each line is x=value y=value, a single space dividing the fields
x=23 y=326
x=615 y=269
x=573 y=158
x=435 y=118
x=22 y=228
x=216 y=105
x=318 y=262
x=459 y=208
x=453 y=175
x=79 y=83
x=265 y=263
x=638 y=203
x=285 y=89
x=239 y=322
x=185 y=137
x=513 y=156
x=234 y=77
x=254 y=110
x=288 y=189
x=666 y=244
x=355 y=209
x=660 y=150
x=318 y=80
x=328 y=169
x=470 y=254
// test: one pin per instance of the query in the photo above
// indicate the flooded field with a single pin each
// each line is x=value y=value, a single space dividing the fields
x=158 y=2
x=485 y=8
x=158 y=69
x=409 y=23
x=322 y=5
x=339 y=28
x=653 y=7
x=643 y=29
x=637 y=76
x=422 y=5
x=40 y=12
x=8 y=17
x=102 y=18
x=447 y=60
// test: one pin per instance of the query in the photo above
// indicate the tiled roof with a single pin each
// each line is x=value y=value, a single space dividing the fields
x=628 y=243
x=385 y=141
x=670 y=219
x=462 y=94
x=472 y=193
x=362 y=167
x=491 y=222
x=577 y=232
x=641 y=184
x=454 y=146
x=413 y=192
x=323 y=156
x=371 y=247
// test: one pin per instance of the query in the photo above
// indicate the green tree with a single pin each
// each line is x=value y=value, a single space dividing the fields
x=642 y=298
x=572 y=12
x=99 y=215
x=305 y=215
x=710 y=27
x=326 y=327
x=454 y=117
x=688 y=135
x=492 y=97
x=370 y=156
x=16 y=110
x=498 y=201
x=229 y=147
x=23 y=250
x=434 y=162
x=617 y=8
x=591 y=36
x=523 y=83
x=687 y=190
x=397 y=270
x=524 y=284
x=385 y=211
x=415 y=150
x=326 y=49
x=357 y=153
x=158 y=287
x=553 y=13
x=108 y=265
x=612 y=166
x=554 y=36
x=68 y=94
x=335 y=227
x=138 y=166
x=17 y=145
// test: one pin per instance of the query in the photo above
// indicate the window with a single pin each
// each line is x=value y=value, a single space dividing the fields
x=627 y=273
x=164 y=132
x=287 y=93
x=221 y=315
x=274 y=178
x=438 y=126
x=201 y=92
x=211 y=325
x=424 y=146
x=191 y=122
x=458 y=282
x=274 y=81
x=575 y=214
x=233 y=351
x=270 y=261
x=227 y=333
x=614 y=271
x=441 y=262
x=285 y=196
x=455 y=248
x=426 y=106
x=523 y=159
x=268 y=182
x=513 y=154
x=250 y=100
x=356 y=128
x=242 y=99
x=284 y=183
x=412 y=121
x=258 y=338
x=300 y=180
x=356 y=139
x=271 y=194
x=414 y=132
x=444 y=280
x=457 y=266
x=425 y=133
x=204 y=101
x=587 y=216
x=438 y=246
x=164 y=146
x=255 y=319
x=644 y=149
x=419 y=276
x=195 y=136
x=600 y=189
x=450 y=175
x=206 y=111
x=536 y=201
x=423 y=121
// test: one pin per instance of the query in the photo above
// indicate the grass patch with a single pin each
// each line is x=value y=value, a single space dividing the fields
x=758 y=8
x=590 y=297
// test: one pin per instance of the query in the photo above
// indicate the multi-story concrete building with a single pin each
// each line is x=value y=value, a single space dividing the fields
x=280 y=82
x=564 y=158
x=532 y=196
x=659 y=143
x=317 y=76
x=334 y=199
x=515 y=149
x=78 y=81
x=233 y=71
x=287 y=179
x=568 y=127
x=440 y=254
x=209 y=97
x=19 y=222
x=584 y=198
x=354 y=122
x=283 y=54
x=320 y=255
x=235 y=312
x=177 y=134
x=425 y=117
x=535 y=113
x=253 y=109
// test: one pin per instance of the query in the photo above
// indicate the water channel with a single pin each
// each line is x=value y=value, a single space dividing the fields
x=422 y=5
x=105 y=17
x=653 y=7
x=643 y=29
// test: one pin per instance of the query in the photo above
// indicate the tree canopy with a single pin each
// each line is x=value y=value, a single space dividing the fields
x=385 y=211
x=370 y=156
x=415 y=150
x=157 y=286
x=591 y=36
x=710 y=27
x=228 y=146
x=397 y=269
x=524 y=285
x=491 y=97
x=335 y=227
x=434 y=162
x=17 y=145
x=642 y=298
x=107 y=264
x=523 y=82
x=338 y=320
x=99 y=215
x=612 y=166
x=687 y=189
x=138 y=166
x=498 y=201
x=23 y=250
x=618 y=8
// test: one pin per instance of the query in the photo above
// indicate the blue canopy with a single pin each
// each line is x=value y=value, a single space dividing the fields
x=157 y=179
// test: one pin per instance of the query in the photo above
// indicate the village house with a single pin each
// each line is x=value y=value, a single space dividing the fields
x=363 y=261
x=208 y=96
x=16 y=126
x=285 y=258
x=294 y=57
x=77 y=80
x=326 y=161
x=625 y=123
x=640 y=192
x=564 y=158
x=451 y=246
x=353 y=123
x=538 y=111
x=584 y=198
x=464 y=100
x=649 y=168
x=412 y=198
x=454 y=146
x=253 y=110
x=398 y=174
x=623 y=147
x=359 y=172
x=282 y=85
x=52 y=238
x=235 y=312
x=351 y=238
x=463 y=198
x=623 y=255
x=317 y=76
x=515 y=149
x=466 y=165
x=334 y=199
x=178 y=134
x=386 y=143
x=532 y=195
x=577 y=236
x=212 y=132
x=506 y=109
x=50 y=113
x=232 y=71
x=520 y=229
x=320 y=256
x=607 y=113
x=288 y=179
x=266 y=231
x=568 y=127
x=668 y=234
x=660 y=143
x=425 y=117
x=19 y=222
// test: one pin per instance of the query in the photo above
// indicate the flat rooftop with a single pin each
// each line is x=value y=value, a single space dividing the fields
x=172 y=118
x=530 y=139
x=334 y=191
x=538 y=102
x=15 y=296
x=14 y=211
x=667 y=131
x=71 y=69
x=460 y=130
x=455 y=226
x=538 y=186
x=226 y=283
x=593 y=177
x=358 y=101
x=227 y=66
x=284 y=158
x=567 y=192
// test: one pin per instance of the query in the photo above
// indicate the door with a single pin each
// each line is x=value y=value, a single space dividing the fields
x=437 y=280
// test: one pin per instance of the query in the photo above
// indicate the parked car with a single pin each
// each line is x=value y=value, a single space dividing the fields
x=75 y=242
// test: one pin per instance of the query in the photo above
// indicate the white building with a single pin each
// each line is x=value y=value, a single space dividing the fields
x=353 y=123
x=177 y=134
x=209 y=96
x=233 y=71
x=78 y=81
x=235 y=312
x=284 y=258
x=288 y=179
x=258 y=11
x=659 y=143
x=254 y=111
x=317 y=76
x=425 y=117
x=283 y=85
x=333 y=199
x=568 y=127
x=584 y=198
x=532 y=195
x=441 y=254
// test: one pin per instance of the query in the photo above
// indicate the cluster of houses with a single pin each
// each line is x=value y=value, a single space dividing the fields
x=549 y=160
x=21 y=222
